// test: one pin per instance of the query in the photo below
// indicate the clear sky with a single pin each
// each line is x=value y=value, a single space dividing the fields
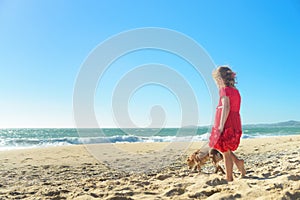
x=44 y=43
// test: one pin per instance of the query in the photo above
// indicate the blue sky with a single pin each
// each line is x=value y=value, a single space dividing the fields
x=44 y=43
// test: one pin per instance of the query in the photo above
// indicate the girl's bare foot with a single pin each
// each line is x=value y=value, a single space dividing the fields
x=241 y=167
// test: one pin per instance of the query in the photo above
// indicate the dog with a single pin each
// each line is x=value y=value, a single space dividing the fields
x=197 y=159
x=201 y=156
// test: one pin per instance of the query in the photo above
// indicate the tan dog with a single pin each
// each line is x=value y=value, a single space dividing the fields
x=201 y=156
x=197 y=159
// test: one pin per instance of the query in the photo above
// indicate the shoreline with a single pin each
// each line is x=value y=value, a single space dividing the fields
x=149 y=171
x=19 y=148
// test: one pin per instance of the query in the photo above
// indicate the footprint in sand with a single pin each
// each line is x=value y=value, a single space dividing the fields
x=162 y=177
x=175 y=192
x=119 y=198
x=294 y=177
x=293 y=161
x=289 y=195
x=216 y=181
x=204 y=193
x=26 y=159
x=266 y=175
x=150 y=193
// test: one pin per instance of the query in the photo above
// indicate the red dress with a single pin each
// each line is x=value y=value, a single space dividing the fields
x=229 y=139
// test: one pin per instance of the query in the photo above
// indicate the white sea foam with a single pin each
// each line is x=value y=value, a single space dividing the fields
x=32 y=138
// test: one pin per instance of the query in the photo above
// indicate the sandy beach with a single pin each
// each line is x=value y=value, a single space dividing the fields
x=149 y=171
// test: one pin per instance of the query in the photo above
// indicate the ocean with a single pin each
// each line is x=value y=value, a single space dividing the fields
x=33 y=137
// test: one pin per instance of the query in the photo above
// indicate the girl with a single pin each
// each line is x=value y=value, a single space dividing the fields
x=227 y=129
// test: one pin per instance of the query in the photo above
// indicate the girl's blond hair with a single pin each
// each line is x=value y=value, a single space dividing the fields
x=226 y=75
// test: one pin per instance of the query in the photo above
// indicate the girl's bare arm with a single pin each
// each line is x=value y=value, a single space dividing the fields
x=225 y=112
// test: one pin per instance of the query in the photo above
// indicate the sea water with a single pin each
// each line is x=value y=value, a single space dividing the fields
x=33 y=137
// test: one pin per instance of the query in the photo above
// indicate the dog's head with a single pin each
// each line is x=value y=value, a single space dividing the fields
x=198 y=157
x=191 y=161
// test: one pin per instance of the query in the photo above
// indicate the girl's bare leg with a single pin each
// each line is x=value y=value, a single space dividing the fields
x=228 y=165
x=239 y=164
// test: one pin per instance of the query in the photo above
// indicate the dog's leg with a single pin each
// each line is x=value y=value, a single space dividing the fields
x=195 y=168
x=217 y=166
x=213 y=160
x=199 y=168
x=216 y=169
x=220 y=169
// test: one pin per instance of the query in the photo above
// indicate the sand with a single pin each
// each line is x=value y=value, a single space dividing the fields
x=149 y=171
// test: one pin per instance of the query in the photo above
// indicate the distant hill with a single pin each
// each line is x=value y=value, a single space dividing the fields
x=290 y=123
x=287 y=123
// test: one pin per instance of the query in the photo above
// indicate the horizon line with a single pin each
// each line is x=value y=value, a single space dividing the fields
x=189 y=126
